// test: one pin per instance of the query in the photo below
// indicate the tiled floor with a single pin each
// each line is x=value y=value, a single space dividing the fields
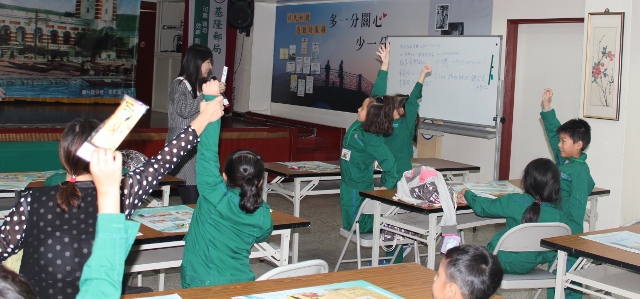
x=323 y=241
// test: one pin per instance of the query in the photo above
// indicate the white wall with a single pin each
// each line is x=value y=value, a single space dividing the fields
x=479 y=151
x=549 y=55
x=253 y=79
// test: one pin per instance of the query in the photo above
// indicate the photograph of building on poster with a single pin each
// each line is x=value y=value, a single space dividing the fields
x=68 y=49
x=335 y=45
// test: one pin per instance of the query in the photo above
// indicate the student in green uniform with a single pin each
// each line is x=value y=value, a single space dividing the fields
x=362 y=145
x=230 y=215
x=405 y=113
x=576 y=183
x=405 y=120
x=539 y=203
x=102 y=274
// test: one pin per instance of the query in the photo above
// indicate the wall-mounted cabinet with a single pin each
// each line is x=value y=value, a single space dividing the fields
x=167 y=58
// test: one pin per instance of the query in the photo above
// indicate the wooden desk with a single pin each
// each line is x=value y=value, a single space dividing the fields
x=620 y=274
x=329 y=182
x=591 y=215
x=405 y=280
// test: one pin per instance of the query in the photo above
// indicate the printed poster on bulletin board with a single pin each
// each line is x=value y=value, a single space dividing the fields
x=333 y=45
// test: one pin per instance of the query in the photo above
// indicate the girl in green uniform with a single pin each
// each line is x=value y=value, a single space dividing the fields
x=405 y=113
x=230 y=215
x=539 y=203
x=362 y=145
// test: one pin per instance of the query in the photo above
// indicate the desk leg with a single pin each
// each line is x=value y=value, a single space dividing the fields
x=296 y=212
x=593 y=212
x=560 y=274
x=166 y=190
x=431 y=241
x=265 y=186
x=284 y=247
x=375 y=250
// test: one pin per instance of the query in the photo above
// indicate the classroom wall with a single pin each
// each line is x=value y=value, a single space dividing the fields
x=615 y=144
x=482 y=152
x=612 y=155
x=254 y=64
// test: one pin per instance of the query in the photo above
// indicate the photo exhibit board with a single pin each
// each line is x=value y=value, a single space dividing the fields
x=464 y=84
x=325 y=53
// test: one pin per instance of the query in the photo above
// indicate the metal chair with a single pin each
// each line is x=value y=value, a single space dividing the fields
x=526 y=237
x=366 y=239
x=632 y=222
x=297 y=269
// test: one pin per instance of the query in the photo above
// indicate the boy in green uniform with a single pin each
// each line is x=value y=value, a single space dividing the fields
x=576 y=183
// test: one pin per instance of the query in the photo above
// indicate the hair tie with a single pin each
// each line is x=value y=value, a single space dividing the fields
x=538 y=201
x=73 y=179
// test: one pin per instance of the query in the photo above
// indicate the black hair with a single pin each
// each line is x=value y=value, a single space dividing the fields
x=244 y=170
x=476 y=271
x=578 y=130
x=14 y=286
x=191 y=66
x=540 y=179
x=379 y=119
x=77 y=132
x=399 y=101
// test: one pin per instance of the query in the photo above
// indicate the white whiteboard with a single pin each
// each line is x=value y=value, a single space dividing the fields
x=463 y=85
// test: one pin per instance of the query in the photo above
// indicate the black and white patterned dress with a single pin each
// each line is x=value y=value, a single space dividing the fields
x=58 y=244
x=182 y=110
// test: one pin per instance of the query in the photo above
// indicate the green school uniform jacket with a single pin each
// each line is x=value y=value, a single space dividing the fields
x=576 y=182
x=357 y=172
x=102 y=274
x=400 y=143
x=220 y=237
x=512 y=207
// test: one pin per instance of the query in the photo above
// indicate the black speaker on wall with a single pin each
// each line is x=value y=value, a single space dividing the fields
x=240 y=15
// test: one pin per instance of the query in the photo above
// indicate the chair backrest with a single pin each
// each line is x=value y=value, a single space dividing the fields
x=632 y=222
x=132 y=159
x=297 y=269
x=526 y=237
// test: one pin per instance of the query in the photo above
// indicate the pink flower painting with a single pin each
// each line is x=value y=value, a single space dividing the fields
x=603 y=72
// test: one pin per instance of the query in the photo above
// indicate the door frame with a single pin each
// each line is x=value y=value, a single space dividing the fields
x=511 y=53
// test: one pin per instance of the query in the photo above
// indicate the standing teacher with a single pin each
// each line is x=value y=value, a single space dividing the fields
x=185 y=95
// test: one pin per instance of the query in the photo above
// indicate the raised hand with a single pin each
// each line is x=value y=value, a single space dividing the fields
x=211 y=88
x=425 y=71
x=383 y=53
x=547 y=94
x=106 y=170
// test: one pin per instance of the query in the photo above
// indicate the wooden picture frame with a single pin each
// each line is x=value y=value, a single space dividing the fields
x=603 y=65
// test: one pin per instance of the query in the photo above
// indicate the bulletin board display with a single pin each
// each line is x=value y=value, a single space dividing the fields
x=324 y=53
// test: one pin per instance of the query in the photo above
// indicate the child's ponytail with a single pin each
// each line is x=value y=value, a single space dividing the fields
x=76 y=133
x=244 y=170
x=250 y=195
x=541 y=180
